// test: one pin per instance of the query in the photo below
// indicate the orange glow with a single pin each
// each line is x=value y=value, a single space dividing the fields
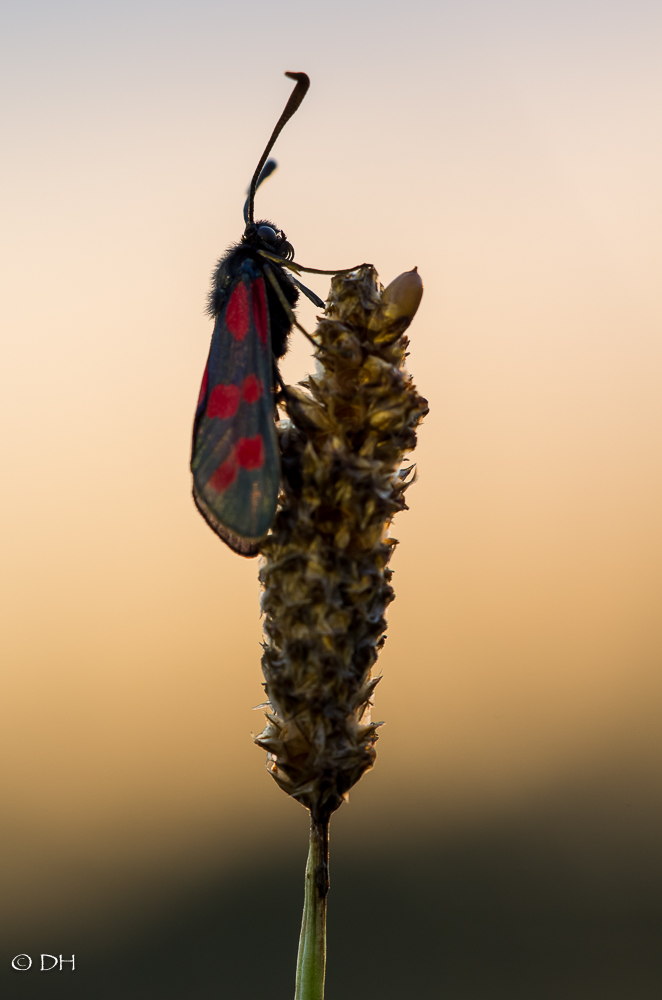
x=520 y=173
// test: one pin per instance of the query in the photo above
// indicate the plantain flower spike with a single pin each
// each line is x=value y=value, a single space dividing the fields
x=325 y=573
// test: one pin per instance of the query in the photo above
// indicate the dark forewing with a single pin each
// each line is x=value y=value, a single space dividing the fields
x=235 y=461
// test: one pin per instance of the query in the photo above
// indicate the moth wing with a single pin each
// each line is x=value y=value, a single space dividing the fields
x=235 y=459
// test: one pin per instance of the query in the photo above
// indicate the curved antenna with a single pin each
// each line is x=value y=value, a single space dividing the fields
x=296 y=97
x=267 y=171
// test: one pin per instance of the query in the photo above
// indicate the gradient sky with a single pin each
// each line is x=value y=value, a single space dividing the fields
x=512 y=151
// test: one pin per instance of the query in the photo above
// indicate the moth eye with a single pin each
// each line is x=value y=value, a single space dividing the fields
x=267 y=234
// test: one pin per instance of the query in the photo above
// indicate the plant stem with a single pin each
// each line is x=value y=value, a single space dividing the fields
x=311 y=961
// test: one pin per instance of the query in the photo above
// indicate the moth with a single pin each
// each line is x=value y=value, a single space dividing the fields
x=235 y=459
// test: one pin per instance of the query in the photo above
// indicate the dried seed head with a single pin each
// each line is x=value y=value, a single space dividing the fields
x=325 y=573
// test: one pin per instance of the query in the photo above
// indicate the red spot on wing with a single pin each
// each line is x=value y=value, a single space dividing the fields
x=236 y=314
x=252 y=388
x=223 y=401
x=203 y=387
x=260 y=309
x=250 y=452
x=224 y=475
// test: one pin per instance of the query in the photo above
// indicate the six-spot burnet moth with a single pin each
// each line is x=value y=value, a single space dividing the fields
x=235 y=460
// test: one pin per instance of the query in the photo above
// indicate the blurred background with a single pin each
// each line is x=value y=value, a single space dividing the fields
x=507 y=842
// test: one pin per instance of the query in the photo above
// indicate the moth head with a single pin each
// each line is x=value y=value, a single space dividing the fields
x=267 y=236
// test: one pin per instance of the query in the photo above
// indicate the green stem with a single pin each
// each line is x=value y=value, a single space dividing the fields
x=311 y=961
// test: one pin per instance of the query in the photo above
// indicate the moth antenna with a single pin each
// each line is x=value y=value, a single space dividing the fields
x=296 y=97
x=267 y=171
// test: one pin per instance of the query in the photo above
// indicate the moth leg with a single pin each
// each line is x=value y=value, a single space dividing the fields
x=279 y=378
x=287 y=307
x=314 y=270
x=292 y=406
x=293 y=266
x=315 y=299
